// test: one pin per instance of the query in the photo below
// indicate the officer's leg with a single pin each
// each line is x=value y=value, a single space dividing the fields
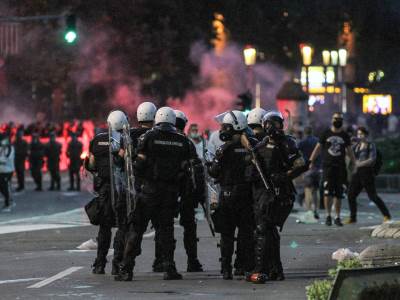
x=158 y=261
x=52 y=178
x=133 y=240
x=71 y=179
x=20 y=170
x=227 y=240
x=78 y=181
x=119 y=239
x=168 y=206
x=245 y=240
x=57 y=178
x=188 y=221
x=275 y=270
x=103 y=244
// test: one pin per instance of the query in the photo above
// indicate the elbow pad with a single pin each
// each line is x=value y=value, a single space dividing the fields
x=139 y=166
x=88 y=166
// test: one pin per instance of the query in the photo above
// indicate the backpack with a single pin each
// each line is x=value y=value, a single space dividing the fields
x=378 y=160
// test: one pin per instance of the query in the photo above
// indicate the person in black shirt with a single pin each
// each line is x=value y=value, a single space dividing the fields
x=52 y=153
x=364 y=177
x=334 y=143
x=74 y=152
x=21 y=152
x=36 y=155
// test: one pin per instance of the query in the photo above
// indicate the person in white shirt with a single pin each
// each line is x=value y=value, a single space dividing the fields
x=198 y=141
x=6 y=170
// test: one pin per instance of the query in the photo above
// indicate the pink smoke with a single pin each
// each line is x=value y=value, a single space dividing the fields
x=221 y=78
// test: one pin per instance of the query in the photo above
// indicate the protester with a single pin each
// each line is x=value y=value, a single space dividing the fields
x=334 y=143
x=364 y=177
x=6 y=170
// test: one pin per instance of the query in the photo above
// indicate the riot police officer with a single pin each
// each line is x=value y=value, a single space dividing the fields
x=98 y=162
x=161 y=155
x=52 y=153
x=190 y=195
x=278 y=161
x=74 y=152
x=21 y=152
x=36 y=155
x=254 y=120
x=235 y=205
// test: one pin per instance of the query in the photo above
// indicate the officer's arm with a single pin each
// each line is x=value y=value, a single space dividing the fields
x=141 y=161
x=350 y=153
x=90 y=163
x=296 y=161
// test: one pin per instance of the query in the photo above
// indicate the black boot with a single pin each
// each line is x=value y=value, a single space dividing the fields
x=124 y=273
x=171 y=273
x=226 y=268
x=115 y=267
x=98 y=266
x=239 y=272
x=158 y=266
x=276 y=276
x=194 y=265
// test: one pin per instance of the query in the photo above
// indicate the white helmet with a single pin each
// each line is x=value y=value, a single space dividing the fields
x=146 y=112
x=117 y=119
x=235 y=118
x=180 y=115
x=165 y=115
x=255 y=116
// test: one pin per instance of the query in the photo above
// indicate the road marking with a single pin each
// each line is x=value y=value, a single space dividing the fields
x=54 y=278
x=20 y=280
x=32 y=227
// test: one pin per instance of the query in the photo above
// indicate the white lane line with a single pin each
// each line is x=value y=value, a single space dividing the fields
x=20 y=280
x=55 y=277
x=32 y=227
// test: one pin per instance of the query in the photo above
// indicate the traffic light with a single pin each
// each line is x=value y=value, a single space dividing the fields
x=245 y=102
x=70 y=35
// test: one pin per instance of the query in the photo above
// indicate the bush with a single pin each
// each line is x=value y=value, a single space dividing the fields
x=319 y=289
x=389 y=148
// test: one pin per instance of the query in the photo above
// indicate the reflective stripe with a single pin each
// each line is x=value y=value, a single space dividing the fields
x=103 y=143
x=168 y=143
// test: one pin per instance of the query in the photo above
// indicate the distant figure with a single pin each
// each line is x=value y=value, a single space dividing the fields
x=74 y=153
x=198 y=141
x=53 y=152
x=6 y=170
x=311 y=177
x=21 y=153
x=36 y=155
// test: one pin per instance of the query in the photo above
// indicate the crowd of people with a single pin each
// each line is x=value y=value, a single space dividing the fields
x=22 y=148
x=156 y=171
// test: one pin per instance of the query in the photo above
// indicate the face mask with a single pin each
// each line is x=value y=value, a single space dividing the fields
x=194 y=135
x=337 y=123
x=225 y=135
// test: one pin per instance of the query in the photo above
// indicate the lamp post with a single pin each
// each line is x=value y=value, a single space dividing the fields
x=250 y=57
x=306 y=54
x=342 y=53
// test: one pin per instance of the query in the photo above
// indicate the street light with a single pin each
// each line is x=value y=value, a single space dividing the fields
x=306 y=54
x=250 y=57
x=326 y=57
x=342 y=53
x=342 y=57
x=334 y=57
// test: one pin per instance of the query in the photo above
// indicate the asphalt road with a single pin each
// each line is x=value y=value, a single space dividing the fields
x=39 y=258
